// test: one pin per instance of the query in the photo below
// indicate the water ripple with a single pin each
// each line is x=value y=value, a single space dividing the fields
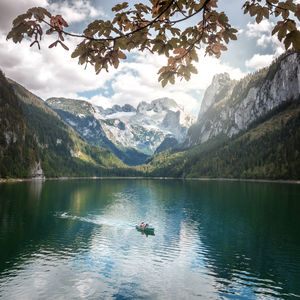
x=83 y=243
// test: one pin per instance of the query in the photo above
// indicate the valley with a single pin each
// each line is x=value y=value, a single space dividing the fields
x=246 y=128
x=149 y=149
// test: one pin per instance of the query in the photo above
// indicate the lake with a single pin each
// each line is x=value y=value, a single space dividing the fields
x=76 y=239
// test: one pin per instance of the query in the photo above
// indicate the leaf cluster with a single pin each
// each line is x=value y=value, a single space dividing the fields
x=155 y=28
x=286 y=28
x=29 y=24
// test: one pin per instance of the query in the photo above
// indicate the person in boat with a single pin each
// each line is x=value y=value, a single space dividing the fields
x=142 y=224
x=147 y=225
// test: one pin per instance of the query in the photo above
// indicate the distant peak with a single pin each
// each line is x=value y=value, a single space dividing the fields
x=160 y=104
x=128 y=108
x=116 y=109
x=216 y=91
x=165 y=101
x=221 y=77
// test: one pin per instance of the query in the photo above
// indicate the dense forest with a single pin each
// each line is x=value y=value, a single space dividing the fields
x=269 y=148
x=18 y=149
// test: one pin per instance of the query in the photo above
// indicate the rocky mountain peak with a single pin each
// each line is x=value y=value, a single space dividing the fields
x=73 y=106
x=163 y=104
x=218 y=89
x=115 y=109
x=230 y=106
x=143 y=128
x=128 y=108
x=221 y=78
x=158 y=105
x=142 y=107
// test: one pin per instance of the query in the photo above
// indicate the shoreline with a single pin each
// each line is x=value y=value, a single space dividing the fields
x=13 y=180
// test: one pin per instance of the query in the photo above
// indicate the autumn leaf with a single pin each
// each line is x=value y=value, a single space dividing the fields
x=172 y=29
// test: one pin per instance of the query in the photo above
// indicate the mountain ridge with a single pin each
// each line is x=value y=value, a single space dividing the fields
x=259 y=139
x=269 y=149
x=47 y=147
x=118 y=129
x=246 y=100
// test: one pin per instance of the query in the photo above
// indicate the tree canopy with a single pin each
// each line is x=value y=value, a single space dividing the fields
x=159 y=27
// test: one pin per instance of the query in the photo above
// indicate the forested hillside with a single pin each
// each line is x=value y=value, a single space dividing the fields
x=35 y=142
x=18 y=149
x=269 y=149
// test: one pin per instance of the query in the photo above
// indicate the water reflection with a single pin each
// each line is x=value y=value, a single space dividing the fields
x=212 y=239
x=250 y=233
x=35 y=188
x=145 y=233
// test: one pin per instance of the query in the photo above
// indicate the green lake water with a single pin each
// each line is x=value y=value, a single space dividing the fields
x=76 y=239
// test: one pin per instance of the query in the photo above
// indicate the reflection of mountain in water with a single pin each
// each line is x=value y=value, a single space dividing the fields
x=246 y=237
x=212 y=239
x=24 y=217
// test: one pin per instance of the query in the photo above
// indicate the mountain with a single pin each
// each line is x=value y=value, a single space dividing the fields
x=115 y=109
x=35 y=142
x=228 y=106
x=82 y=116
x=246 y=129
x=168 y=142
x=18 y=156
x=138 y=132
x=220 y=88
x=147 y=127
x=269 y=149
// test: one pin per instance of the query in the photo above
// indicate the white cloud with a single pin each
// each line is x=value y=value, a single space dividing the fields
x=265 y=41
x=48 y=72
x=255 y=30
x=262 y=33
x=259 y=61
x=138 y=80
x=11 y=9
x=75 y=11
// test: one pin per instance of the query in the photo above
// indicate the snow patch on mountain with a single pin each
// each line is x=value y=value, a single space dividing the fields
x=143 y=128
x=146 y=127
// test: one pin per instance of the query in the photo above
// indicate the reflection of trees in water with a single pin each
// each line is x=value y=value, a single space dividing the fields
x=249 y=230
x=28 y=220
x=241 y=229
x=35 y=188
x=28 y=223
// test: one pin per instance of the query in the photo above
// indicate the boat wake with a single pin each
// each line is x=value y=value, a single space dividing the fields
x=97 y=220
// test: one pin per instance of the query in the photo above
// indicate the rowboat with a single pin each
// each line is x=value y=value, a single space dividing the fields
x=146 y=229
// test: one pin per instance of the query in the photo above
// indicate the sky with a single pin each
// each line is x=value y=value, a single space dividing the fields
x=53 y=73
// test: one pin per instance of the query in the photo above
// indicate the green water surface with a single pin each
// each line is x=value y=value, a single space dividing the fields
x=76 y=239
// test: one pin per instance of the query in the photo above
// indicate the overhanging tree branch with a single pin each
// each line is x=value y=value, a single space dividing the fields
x=133 y=29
